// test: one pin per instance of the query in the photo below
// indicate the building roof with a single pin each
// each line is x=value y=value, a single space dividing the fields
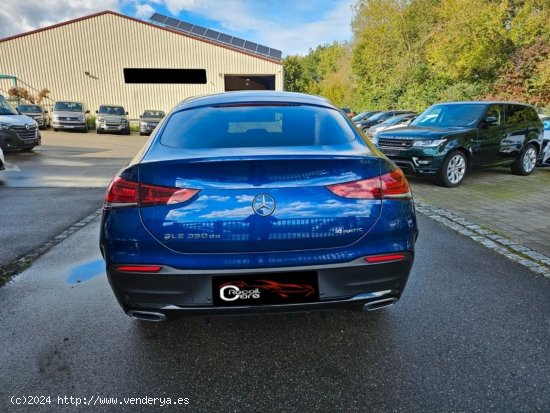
x=178 y=32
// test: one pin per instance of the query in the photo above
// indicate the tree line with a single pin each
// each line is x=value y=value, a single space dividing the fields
x=412 y=53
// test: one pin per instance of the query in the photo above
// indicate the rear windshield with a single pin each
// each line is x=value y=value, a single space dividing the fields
x=256 y=126
x=68 y=106
x=466 y=115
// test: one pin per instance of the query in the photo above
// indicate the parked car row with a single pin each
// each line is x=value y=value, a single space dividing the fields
x=110 y=118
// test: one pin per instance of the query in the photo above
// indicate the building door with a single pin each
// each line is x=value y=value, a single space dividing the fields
x=245 y=82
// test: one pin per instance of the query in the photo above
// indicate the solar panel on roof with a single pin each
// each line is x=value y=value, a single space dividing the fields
x=225 y=38
x=212 y=34
x=170 y=21
x=186 y=27
x=235 y=41
x=158 y=18
x=277 y=54
x=262 y=49
x=250 y=46
x=218 y=37
x=198 y=30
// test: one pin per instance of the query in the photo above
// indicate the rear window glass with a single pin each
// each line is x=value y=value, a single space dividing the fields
x=256 y=126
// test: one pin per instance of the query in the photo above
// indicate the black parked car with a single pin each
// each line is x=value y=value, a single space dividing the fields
x=449 y=138
x=379 y=118
x=364 y=115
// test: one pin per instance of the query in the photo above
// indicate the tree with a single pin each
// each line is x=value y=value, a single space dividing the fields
x=22 y=93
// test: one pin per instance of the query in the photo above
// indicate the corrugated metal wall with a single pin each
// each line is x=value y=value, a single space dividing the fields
x=104 y=45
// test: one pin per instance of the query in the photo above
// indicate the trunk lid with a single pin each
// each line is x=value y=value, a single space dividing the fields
x=259 y=203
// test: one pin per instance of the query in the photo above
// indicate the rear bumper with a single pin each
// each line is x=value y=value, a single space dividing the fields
x=345 y=285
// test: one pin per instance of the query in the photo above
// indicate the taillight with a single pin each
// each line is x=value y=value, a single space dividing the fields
x=139 y=268
x=374 y=259
x=150 y=195
x=395 y=185
x=390 y=185
x=123 y=193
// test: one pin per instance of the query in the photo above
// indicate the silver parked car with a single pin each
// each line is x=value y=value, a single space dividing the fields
x=112 y=118
x=70 y=115
x=38 y=113
x=149 y=121
x=388 y=124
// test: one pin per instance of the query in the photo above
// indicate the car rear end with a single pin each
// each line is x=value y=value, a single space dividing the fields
x=257 y=202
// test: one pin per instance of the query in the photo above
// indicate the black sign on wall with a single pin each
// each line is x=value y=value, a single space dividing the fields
x=192 y=76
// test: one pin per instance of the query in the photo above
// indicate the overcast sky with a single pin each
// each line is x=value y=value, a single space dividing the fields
x=293 y=26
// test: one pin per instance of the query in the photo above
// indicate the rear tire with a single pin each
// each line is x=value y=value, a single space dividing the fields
x=56 y=129
x=454 y=170
x=27 y=149
x=525 y=164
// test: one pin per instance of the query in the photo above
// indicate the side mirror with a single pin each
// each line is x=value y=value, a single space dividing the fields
x=126 y=112
x=140 y=116
x=490 y=120
x=87 y=111
x=45 y=111
x=96 y=111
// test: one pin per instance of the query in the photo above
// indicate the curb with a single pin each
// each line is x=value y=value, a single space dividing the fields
x=512 y=250
x=20 y=264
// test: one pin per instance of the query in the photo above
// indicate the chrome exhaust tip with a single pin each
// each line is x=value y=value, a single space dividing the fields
x=379 y=304
x=146 y=315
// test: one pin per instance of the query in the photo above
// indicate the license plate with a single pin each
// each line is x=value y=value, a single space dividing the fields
x=390 y=152
x=262 y=289
x=69 y=126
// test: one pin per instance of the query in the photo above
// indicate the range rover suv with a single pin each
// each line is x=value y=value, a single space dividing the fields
x=70 y=115
x=448 y=139
x=17 y=131
x=112 y=118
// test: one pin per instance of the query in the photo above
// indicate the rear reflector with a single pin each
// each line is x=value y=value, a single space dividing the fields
x=384 y=258
x=139 y=268
x=122 y=193
x=390 y=185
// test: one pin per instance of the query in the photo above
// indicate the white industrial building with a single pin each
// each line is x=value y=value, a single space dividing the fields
x=115 y=59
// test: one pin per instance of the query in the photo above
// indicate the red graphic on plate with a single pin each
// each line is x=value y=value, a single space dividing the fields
x=282 y=289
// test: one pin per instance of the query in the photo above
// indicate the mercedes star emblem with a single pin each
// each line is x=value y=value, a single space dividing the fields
x=263 y=205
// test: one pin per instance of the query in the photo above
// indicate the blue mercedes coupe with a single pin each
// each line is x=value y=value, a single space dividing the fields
x=257 y=201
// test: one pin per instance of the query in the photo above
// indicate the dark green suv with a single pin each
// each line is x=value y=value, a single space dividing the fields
x=449 y=138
